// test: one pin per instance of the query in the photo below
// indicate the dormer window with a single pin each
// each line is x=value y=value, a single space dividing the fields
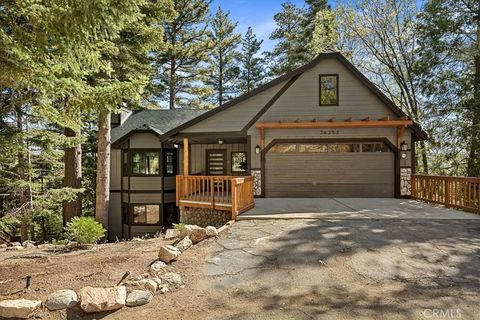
x=328 y=89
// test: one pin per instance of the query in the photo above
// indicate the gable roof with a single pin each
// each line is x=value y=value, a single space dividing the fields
x=156 y=121
x=293 y=75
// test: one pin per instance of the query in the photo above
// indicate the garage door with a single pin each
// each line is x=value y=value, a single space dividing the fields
x=361 y=170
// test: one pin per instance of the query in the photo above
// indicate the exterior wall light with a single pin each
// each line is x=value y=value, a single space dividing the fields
x=175 y=145
x=404 y=146
x=257 y=149
x=220 y=141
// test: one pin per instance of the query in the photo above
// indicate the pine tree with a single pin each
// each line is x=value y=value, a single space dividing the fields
x=180 y=67
x=325 y=34
x=251 y=65
x=449 y=66
x=223 y=60
x=290 y=50
x=309 y=23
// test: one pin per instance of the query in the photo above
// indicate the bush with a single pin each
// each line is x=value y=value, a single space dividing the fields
x=85 y=230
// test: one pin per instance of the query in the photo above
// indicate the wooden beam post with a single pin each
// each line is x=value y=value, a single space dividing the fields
x=399 y=135
x=262 y=138
x=185 y=156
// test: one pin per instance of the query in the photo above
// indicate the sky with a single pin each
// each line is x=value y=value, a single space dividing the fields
x=257 y=14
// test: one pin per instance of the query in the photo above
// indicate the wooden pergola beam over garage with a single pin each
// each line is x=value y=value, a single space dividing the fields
x=367 y=122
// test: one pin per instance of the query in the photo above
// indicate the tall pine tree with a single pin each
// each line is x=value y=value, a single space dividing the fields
x=180 y=67
x=252 y=70
x=289 y=51
x=223 y=60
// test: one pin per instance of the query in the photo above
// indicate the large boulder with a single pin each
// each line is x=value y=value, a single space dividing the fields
x=211 y=231
x=157 y=266
x=172 y=234
x=172 y=278
x=20 y=308
x=61 y=299
x=168 y=253
x=28 y=244
x=102 y=299
x=138 y=298
x=14 y=248
x=184 y=244
x=196 y=233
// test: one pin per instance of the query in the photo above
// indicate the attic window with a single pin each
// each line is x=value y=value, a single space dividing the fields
x=328 y=89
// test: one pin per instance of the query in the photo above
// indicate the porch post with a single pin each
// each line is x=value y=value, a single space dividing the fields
x=185 y=156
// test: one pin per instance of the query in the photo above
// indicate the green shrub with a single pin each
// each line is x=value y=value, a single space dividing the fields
x=179 y=226
x=85 y=230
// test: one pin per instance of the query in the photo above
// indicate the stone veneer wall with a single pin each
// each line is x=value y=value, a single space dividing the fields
x=257 y=181
x=204 y=217
x=405 y=181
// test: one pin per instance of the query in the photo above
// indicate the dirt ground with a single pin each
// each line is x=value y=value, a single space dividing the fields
x=100 y=266
x=283 y=269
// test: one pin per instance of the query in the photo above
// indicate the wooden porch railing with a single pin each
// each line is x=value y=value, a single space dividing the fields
x=456 y=192
x=226 y=193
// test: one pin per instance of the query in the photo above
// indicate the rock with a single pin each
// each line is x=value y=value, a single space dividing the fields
x=102 y=299
x=61 y=299
x=20 y=308
x=168 y=253
x=158 y=281
x=15 y=248
x=3 y=246
x=147 y=284
x=72 y=245
x=172 y=234
x=196 y=233
x=14 y=244
x=157 y=266
x=28 y=243
x=211 y=231
x=138 y=298
x=137 y=239
x=172 y=278
x=184 y=244
x=46 y=246
x=163 y=289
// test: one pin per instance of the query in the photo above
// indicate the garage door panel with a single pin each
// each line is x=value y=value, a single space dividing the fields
x=349 y=174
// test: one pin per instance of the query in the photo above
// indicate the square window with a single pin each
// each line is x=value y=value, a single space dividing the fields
x=239 y=162
x=146 y=214
x=145 y=163
x=329 y=90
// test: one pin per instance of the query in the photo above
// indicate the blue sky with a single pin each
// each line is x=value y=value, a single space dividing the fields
x=255 y=13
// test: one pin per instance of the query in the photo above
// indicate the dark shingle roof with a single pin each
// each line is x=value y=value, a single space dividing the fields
x=160 y=121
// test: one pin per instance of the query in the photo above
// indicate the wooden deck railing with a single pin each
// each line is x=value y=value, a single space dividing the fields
x=226 y=193
x=456 y=192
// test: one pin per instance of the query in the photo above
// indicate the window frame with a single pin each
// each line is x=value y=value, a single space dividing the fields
x=175 y=162
x=130 y=165
x=132 y=209
x=320 y=90
x=246 y=162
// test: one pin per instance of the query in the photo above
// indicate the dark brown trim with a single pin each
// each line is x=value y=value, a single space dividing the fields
x=143 y=150
x=129 y=164
x=271 y=102
x=162 y=169
x=320 y=90
x=249 y=155
x=387 y=142
x=413 y=160
x=224 y=151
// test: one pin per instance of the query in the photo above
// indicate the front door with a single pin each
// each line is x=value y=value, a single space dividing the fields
x=216 y=162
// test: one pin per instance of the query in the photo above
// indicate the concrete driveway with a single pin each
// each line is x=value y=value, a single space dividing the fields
x=348 y=208
x=346 y=269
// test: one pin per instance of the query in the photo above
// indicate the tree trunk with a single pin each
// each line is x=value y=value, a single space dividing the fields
x=102 y=194
x=172 y=85
x=73 y=176
x=423 y=151
x=473 y=164
x=22 y=197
